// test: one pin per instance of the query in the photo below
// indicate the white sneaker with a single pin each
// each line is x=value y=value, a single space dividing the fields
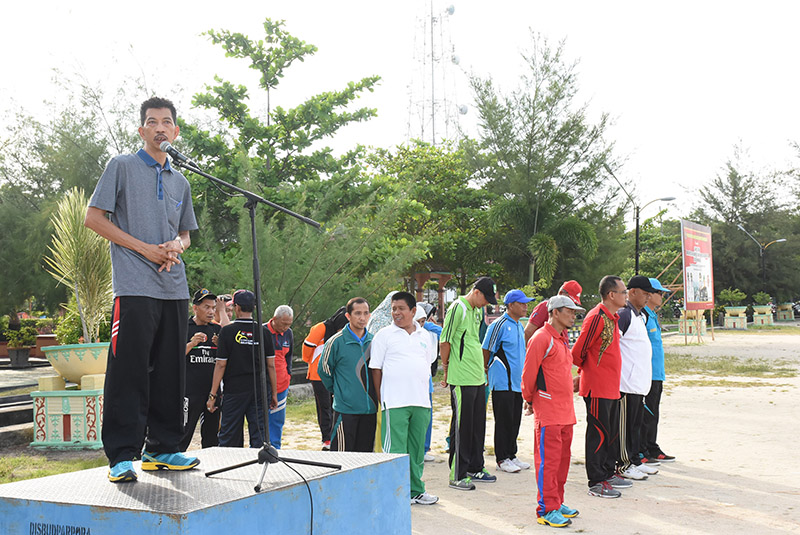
x=633 y=472
x=424 y=499
x=522 y=464
x=646 y=469
x=508 y=466
x=429 y=458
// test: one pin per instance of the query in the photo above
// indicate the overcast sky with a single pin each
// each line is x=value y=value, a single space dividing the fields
x=683 y=81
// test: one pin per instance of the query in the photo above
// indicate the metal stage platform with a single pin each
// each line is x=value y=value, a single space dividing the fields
x=369 y=495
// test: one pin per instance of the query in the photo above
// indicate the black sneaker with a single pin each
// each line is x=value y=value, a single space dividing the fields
x=664 y=458
x=483 y=476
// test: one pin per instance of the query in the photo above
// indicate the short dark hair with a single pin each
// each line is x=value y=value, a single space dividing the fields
x=355 y=301
x=246 y=308
x=407 y=297
x=608 y=284
x=157 y=103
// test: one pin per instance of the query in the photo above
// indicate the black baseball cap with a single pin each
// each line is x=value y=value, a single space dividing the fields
x=488 y=288
x=244 y=298
x=642 y=282
x=201 y=294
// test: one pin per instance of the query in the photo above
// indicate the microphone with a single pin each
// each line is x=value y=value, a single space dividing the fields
x=176 y=154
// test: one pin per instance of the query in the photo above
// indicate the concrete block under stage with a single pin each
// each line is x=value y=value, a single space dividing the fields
x=369 y=495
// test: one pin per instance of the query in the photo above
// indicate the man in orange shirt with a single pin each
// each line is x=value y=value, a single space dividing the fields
x=279 y=327
x=312 y=349
x=547 y=391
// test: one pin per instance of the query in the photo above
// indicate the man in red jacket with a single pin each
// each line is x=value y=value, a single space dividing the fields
x=596 y=354
x=547 y=390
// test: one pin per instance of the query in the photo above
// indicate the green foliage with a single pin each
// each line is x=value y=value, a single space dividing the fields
x=454 y=225
x=69 y=329
x=274 y=154
x=732 y=296
x=542 y=156
x=24 y=337
x=79 y=260
x=762 y=298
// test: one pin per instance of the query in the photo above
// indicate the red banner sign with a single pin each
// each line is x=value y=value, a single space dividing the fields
x=698 y=267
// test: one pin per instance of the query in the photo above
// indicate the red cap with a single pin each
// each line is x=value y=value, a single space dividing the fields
x=573 y=290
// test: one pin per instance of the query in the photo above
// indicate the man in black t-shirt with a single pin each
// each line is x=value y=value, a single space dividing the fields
x=201 y=352
x=236 y=355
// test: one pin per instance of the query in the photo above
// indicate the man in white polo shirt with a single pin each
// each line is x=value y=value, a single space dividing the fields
x=400 y=359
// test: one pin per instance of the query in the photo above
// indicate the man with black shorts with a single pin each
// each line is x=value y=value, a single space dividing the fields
x=151 y=214
x=201 y=353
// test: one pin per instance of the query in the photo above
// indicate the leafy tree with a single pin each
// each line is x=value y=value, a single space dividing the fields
x=284 y=148
x=750 y=199
x=543 y=157
x=455 y=227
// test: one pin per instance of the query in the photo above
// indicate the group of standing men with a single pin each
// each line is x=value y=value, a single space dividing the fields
x=144 y=207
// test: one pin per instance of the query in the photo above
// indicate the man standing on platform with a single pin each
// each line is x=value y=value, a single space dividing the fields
x=282 y=341
x=151 y=214
x=343 y=369
x=504 y=349
x=238 y=364
x=651 y=451
x=465 y=372
x=547 y=389
x=400 y=360
x=635 y=378
x=540 y=314
x=201 y=353
x=596 y=354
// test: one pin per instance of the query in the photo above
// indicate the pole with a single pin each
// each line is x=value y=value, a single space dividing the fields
x=637 y=239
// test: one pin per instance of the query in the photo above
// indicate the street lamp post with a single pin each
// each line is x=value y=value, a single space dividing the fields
x=636 y=210
x=761 y=250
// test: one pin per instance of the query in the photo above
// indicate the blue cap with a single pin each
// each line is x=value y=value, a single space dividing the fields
x=657 y=285
x=516 y=296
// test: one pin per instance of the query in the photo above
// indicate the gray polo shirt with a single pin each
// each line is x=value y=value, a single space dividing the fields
x=149 y=209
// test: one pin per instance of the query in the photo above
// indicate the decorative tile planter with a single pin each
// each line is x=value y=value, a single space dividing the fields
x=735 y=317
x=68 y=418
x=691 y=321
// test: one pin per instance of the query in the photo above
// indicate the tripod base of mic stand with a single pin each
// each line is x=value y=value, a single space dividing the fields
x=268 y=455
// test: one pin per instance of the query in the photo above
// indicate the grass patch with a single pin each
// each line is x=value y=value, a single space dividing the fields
x=28 y=466
x=770 y=329
x=725 y=383
x=18 y=391
x=676 y=364
x=301 y=410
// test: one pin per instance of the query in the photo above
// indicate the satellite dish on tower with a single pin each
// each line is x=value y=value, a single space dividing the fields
x=450 y=9
x=462 y=109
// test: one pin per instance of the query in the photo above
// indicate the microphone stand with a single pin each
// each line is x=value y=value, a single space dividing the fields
x=267 y=454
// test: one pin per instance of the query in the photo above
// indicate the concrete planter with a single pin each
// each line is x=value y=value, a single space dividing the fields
x=785 y=312
x=74 y=361
x=19 y=357
x=735 y=317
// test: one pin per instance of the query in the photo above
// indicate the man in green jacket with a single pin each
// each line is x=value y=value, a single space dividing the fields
x=343 y=369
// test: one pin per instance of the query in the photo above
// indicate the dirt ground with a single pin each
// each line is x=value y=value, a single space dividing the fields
x=733 y=438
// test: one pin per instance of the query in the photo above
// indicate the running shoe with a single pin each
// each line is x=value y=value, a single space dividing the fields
x=522 y=464
x=326 y=446
x=633 y=473
x=604 y=490
x=462 y=484
x=168 y=461
x=483 y=476
x=647 y=469
x=122 y=472
x=424 y=499
x=568 y=512
x=664 y=458
x=508 y=466
x=618 y=483
x=555 y=519
x=429 y=458
x=650 y=461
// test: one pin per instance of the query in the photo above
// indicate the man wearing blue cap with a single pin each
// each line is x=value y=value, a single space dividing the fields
x=504 y=351
x=651 y=452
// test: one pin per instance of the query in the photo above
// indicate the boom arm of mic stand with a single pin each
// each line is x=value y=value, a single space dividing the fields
x=249 y=194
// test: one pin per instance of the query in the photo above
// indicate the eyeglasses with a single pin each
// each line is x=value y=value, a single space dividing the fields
x=622 y=292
